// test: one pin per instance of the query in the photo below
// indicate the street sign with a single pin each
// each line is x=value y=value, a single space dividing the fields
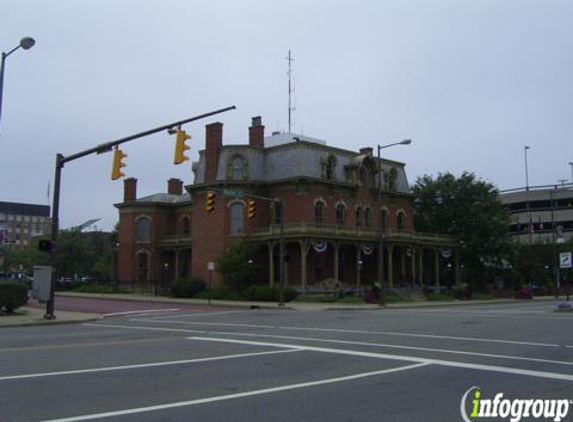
x=565 y=260
x=210 y=266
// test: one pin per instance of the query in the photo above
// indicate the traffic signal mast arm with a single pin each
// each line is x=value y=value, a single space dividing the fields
x=61 y=160
x=108 y=146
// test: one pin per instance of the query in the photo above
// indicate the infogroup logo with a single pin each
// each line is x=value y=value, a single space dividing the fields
x=513 y=409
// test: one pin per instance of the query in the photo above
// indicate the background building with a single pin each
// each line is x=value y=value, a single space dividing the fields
x=19 y=223
x=540 y=213
x=333 y=213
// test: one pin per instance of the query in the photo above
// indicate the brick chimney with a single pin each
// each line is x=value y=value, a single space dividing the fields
x=129 y=189
x=213 y=145
x=366 y=151
x=175 y=187
x=257 y=133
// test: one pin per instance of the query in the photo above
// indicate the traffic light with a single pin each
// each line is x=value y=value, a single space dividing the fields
x=252 y=209
x=180 y=147
x=118 y=164
x=45 y=245
x=210 y=202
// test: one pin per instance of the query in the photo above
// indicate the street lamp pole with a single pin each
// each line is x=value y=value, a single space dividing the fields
x=26 y=43
x=571 y=164
x=380 y=218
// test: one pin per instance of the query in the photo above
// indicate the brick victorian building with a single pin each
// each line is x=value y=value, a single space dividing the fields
x=331 y=218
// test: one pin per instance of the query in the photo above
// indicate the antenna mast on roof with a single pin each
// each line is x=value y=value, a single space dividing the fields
x=290 y=90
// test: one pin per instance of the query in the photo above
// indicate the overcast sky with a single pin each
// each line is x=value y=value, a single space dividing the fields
x=470 y=82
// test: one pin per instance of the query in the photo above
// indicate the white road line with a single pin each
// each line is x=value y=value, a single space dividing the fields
x=144 y=365
x=195 y=314
x=450 y=314
x=338 y=330
x=355 y=343
x=493 y=368
x=236 y=395
x=140 y=313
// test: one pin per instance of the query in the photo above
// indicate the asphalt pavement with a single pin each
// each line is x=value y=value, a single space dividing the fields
x=221 y=363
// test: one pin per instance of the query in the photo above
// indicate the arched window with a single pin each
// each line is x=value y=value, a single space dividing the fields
x=142 y=227
x=237 y=218
x=367 y=217
x=384 y=218
x=276 y=211
x=142 y=267
x=238 y=165
x=186 y=226
x=319 y=213
x=401 y=220
x=340 y=214
x=358 y=216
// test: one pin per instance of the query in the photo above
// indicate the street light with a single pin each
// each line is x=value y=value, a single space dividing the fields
x=380 y=228
x=26 y=43
x=529 y=225
x=571 y=164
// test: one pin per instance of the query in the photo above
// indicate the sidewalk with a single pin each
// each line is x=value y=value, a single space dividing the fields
x=28 y=315
x=299 y=306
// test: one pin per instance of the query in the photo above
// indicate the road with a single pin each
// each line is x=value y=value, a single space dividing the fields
x=281 y=365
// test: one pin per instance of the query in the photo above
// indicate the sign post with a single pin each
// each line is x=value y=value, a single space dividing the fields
x=566 y=262
x=210 y=267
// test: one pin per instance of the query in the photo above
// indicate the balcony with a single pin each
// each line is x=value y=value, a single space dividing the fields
x=325 y=231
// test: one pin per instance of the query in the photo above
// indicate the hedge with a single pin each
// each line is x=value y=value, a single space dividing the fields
x=12 y=296
x=187 y=288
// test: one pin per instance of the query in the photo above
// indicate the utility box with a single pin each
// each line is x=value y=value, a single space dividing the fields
x=42 y=282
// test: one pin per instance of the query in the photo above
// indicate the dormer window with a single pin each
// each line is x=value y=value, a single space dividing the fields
x=237 y=167
x=238 y=164
x=330 y=167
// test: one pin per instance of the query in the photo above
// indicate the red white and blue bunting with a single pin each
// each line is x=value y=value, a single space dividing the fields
x=367 y=249
x=446 y=253
x=319 y=247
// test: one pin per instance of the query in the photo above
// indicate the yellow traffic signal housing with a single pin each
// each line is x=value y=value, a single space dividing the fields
x=210 y=202
x=252 y=209
x=118 y=164
x=181 y=147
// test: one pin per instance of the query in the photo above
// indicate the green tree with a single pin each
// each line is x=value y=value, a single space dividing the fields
x=238 y=273
x=470 y=209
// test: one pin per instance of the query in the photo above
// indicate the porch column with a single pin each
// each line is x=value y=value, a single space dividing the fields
x=358 y=266
x=437 y=266
x=421 y=266
x=403 y=264
x=457 y=267
x=177 y=274
x=390 y=266
x=271 y=246
x=336 y=246
x=303 y=252
x=413 y=263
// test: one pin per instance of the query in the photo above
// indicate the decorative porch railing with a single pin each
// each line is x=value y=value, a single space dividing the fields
x=349 y=233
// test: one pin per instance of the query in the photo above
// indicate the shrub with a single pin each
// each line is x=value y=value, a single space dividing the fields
x=395 y=297
x=97 y=288
x=438 y=296
x=187 y=288
x=220 y=294
x=269 y=294
x=12 y=296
